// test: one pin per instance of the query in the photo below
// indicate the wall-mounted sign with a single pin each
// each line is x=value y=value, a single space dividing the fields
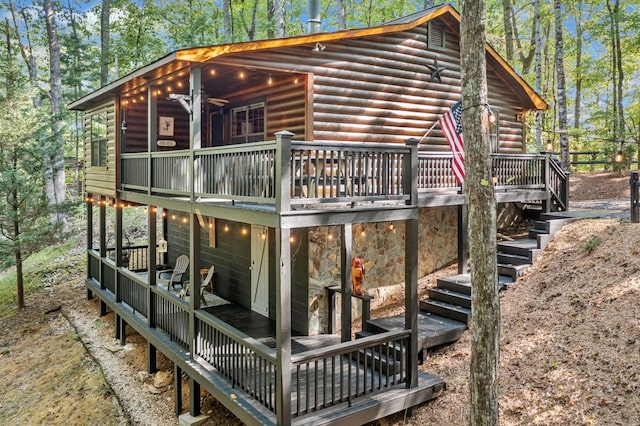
x=167 y=143
x=165 y=126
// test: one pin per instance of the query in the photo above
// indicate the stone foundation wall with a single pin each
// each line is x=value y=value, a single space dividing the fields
x=381 y=246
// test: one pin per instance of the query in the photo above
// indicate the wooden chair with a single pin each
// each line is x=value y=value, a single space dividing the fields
x=205 y=283
x=182 y=263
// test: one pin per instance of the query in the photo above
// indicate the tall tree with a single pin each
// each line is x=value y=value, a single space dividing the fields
x=537 y=36
x=561 y=88
x=54 y=175
x=24 y=225
x=105 y=14
x=617 y=71
x=485 y=307
x=26 y=49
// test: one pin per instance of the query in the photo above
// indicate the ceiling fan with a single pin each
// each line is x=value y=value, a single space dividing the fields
x=217 y=101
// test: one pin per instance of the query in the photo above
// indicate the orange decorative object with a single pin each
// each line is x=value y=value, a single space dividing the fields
x=357 y=276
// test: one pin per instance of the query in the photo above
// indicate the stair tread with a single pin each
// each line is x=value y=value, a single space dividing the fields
x=522 y=243
x=429 y=325
x=451 y=306
x=451 y=292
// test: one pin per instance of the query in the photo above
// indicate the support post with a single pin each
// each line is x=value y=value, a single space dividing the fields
x=89 y=205
x=283 y=170
x=116 y=334
x=195 y=128
x=118 y=254
x=283 y=326
x=123 y=332
x=177 y=386
x=152 y=264
x=194 y=397
x=152 y=358
x=103 y=239
x=346 y=240
x=463 y=238
x=194 y=279
x=634 y=190
x=152 y=132
x=411 y=171
x=411 y=298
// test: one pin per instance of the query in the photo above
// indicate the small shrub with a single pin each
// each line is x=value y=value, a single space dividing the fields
x=591 y=244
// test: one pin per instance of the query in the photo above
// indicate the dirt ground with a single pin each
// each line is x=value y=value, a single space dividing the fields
x=570 y=341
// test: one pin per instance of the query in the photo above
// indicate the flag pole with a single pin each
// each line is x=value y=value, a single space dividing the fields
x=428 y=131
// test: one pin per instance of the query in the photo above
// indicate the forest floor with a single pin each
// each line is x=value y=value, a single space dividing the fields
x=569 y=345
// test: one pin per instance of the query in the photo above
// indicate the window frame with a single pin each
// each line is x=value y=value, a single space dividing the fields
x=98 y=134
x=244 y=131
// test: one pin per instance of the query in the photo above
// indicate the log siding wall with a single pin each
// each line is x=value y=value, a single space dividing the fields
x=378 y=89
x=101 y=180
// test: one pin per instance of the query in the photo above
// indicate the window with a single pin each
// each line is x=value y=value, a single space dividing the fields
x=99 y=139
x=248 y=123
x=436 y=35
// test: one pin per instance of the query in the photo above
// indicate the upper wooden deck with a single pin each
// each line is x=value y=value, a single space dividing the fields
x=285 y=175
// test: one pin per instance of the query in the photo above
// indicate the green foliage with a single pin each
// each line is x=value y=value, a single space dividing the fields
x=34 y=270
x=591 y=244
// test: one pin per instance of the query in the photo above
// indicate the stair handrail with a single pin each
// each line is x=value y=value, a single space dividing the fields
x=557 y=183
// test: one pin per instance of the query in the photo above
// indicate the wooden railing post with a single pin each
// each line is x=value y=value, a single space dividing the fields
x=546 y=203
x=634 y=189
x=410 y=173
x=151 y=265
x=283 y=170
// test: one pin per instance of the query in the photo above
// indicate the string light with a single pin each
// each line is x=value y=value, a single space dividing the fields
x=244 y=231
x=226 y=228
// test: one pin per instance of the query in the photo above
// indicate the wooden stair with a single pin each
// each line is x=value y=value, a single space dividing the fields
x=446 y=313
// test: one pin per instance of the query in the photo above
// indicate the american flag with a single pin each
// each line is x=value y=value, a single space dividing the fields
x=452 y=129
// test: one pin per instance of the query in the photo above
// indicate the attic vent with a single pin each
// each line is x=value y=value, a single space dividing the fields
x=436 y=35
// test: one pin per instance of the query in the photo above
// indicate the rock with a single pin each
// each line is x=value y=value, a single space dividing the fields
x=141 y=376
x=162 y=379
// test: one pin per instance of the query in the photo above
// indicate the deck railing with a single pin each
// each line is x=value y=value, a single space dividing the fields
x=281 y=172
x=247 y=363
x=345 y=371
x=134 y=258
x=290 y=174
x=523 y=171
x=133 y=291
x=94 y=265
x=172 y=316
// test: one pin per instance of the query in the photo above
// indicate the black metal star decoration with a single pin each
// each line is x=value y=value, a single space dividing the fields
x=436 y=70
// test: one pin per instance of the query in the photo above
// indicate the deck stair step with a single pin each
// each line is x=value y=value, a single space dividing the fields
x=433 y=330
x=450 y=296
x=513 y=259
x=446 y=310
x=512 y=271
x=460 y=283
x=522 y=247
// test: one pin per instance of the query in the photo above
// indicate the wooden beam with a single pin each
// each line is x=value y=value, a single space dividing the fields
x=411 y=297
x=89 y=205
x=194 y=397
x=283 y=326
x=194 y=277
x=463 y=240
x=346 y=241
x=152 y=358
x=152 y=228
x=177 y=388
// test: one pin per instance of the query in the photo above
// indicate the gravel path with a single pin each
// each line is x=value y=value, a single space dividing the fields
x=616 y=208
x=141 y=406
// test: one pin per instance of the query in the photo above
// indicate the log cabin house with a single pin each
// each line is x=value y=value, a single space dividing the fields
x=277 y=162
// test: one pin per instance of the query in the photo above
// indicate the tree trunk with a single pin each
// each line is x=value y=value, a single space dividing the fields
x=507 y=12
x=538 y=69
x=226 y=17
x=27 y=54
x=54 y=176
x=561 y=88
x=578 y=79
x=104 y=41
x=485 y=324
x=342 y=15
